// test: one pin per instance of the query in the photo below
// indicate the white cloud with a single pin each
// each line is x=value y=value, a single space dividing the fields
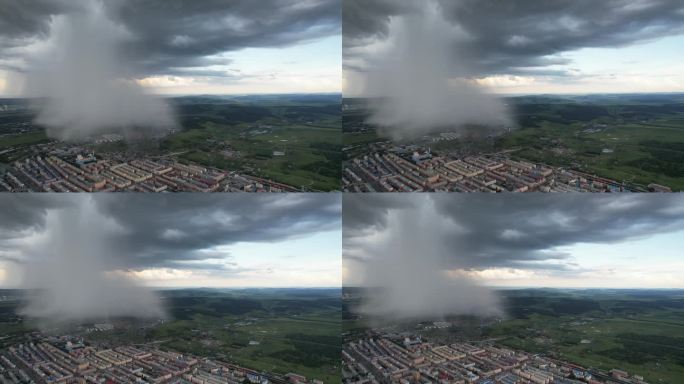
x=519 y=41
x=511 y=234
x=158 y=274
x=604 y=276
x=505 y=81
x=173 y=234
x=495 y=276
x=165 y=81
x=323 y=80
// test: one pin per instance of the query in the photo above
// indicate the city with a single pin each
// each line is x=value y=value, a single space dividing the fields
x=67 y=359
x=412 y=168
x=73 y=168
x=406 y=358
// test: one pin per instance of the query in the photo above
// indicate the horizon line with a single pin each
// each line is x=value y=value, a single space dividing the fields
x=512 y=94
x=191 y=287
x=503 y=287
x=171 y=95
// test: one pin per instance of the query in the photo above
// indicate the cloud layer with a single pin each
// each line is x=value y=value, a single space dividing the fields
x=510 y=232
x=176 y=37
x=179 y=230
x=503 y=38
x=84 y=253
x=426 y=256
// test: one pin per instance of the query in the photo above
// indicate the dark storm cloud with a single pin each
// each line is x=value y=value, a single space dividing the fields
x=370 y=18
x=171 y=35
x=515 y=37
x=370 y=212
x=191 y=224
x=180 y=230
x=19 y=212
x=514 y=231
x=25 y=19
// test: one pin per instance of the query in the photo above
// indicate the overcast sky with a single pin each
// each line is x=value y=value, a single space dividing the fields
x=530 y=46
x=187 y=240
x=622 y=241
x=195 y=47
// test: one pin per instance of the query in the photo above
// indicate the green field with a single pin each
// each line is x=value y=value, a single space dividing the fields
x=291 y=139
x=296 y=330
x=641 y=153
x=274 y=330
x=20 y=140
x=307 y=345
x=309 y=152
x=637 y=138
x=597 y=329
x=640 y=331
x=12 y=329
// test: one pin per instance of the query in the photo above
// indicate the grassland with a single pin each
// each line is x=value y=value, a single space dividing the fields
x=641 y=331
x=23 y=139
x=641 y=153
x=308 y=344
x=275 y=330
x=11 y=329
x=633 y=138
x=605 y=330
x=292 y=139
x=308 y=152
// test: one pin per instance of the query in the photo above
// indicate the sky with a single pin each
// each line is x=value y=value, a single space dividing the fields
x=527 y=46
x=560 y=241
x=183 y=240
x=178 y=47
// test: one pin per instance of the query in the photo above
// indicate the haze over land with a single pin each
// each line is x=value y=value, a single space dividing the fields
x=82 y=78
x=405 y=262
x=411 y=76
x=422 y=247
x=115 y=246
x=67 y=264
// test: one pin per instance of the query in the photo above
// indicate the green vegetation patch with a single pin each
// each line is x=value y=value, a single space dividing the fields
x=298 y=155
x=279 y=331
x=642 y=333
x=23 y=139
